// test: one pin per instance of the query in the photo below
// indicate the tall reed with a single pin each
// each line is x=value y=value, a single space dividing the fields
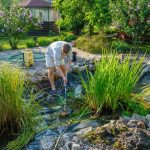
x=112 y=83
x=17 y=115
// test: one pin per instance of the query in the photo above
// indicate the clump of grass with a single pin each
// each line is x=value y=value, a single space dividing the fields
x=121 y=46
x=30 y=43
x=70 y=38
x=17 y=115
x=44 y=41
x=112 y=83
x=92 y=44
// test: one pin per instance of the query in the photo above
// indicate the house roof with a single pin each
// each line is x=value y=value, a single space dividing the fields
x=36 y=3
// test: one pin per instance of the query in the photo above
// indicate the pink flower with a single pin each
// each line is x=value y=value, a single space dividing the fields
x=1 y=13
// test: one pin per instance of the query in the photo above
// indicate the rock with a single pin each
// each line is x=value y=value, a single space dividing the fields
x=138 y=117
x=41 y=125
x=141 y=124
x=147 y=99
x=148 y=117
x=50 y=99
x=75 y=69
x=46 y=111
x=145 y=71
x=33 y=146
x=50 y=133
x=92 y=61
x=92 y=67
x=78 y=91
x=46 y=117
x=48 y=142
x=112 y=121
x=39 y=136
x=132 y=123
x=82 y=68
x=76 y=139
x=84 y=131
x=40 y=96
x=148 y=125
x=67 y=137
x=84 y=125
x=56 y=108
x=76 y=147
x=61 y=129
x=33 y=79
x=67 y=146
x=125 y=119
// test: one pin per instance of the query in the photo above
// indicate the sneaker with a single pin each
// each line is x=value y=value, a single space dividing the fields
x=53 y=92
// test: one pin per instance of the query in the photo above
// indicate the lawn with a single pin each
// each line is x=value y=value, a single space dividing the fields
x=93 y=44
x=28 y=41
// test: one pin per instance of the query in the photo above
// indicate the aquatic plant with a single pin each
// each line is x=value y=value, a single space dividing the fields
x=112 y=83
x=17 y=115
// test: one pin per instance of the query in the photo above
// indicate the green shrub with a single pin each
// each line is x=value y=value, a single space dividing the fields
x=93 y=44
x=30 y=43
x=135 y=107
x=70 y=38
x=1 y=48
x=121 y=46
x=17 y=115
x=110 y=29
x=112 y=83
x=44 y=41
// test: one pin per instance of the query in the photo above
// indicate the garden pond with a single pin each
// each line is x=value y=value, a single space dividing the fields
x=66 y=130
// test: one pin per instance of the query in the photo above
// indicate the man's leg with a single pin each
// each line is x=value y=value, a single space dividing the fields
x=51 y=77
x=63 y=68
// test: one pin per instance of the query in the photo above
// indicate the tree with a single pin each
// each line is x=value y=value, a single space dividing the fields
x=72 y=15
x=16 y=22
x=97 y=13
x=7 y=3
x=132 y=16
x=76 y=14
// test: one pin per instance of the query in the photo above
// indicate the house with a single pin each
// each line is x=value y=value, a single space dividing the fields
x=41 y=9
x=45 y=12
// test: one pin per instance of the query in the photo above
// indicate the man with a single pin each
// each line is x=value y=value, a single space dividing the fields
x=55 y=55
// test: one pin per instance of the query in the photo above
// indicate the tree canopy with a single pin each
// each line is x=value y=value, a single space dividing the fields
x=77 y=14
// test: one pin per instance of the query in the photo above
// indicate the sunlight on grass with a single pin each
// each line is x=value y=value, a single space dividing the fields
x=112 y=83
x=17 y=115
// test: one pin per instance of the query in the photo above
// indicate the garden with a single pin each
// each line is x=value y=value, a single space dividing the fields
x=106 y=103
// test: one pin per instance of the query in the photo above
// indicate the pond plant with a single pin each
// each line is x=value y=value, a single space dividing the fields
x=113 y=82
x=17 y=115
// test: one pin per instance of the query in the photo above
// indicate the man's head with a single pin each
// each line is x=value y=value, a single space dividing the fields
x=66 y=48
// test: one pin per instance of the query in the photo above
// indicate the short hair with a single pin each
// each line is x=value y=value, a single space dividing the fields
x=66 y=47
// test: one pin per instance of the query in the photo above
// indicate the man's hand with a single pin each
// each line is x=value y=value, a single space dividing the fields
x=65 y=80
x=64 y=76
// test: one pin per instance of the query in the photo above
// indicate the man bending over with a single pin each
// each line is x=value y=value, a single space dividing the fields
x=55 y=55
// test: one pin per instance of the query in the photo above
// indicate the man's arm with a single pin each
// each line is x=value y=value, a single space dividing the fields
x=62 y=74
x=57 y=62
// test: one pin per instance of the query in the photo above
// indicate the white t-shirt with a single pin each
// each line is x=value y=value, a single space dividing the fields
x=54 y=51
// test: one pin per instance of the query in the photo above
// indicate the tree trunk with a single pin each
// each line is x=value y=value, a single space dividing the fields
x=77 y=30
x=91 y=29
